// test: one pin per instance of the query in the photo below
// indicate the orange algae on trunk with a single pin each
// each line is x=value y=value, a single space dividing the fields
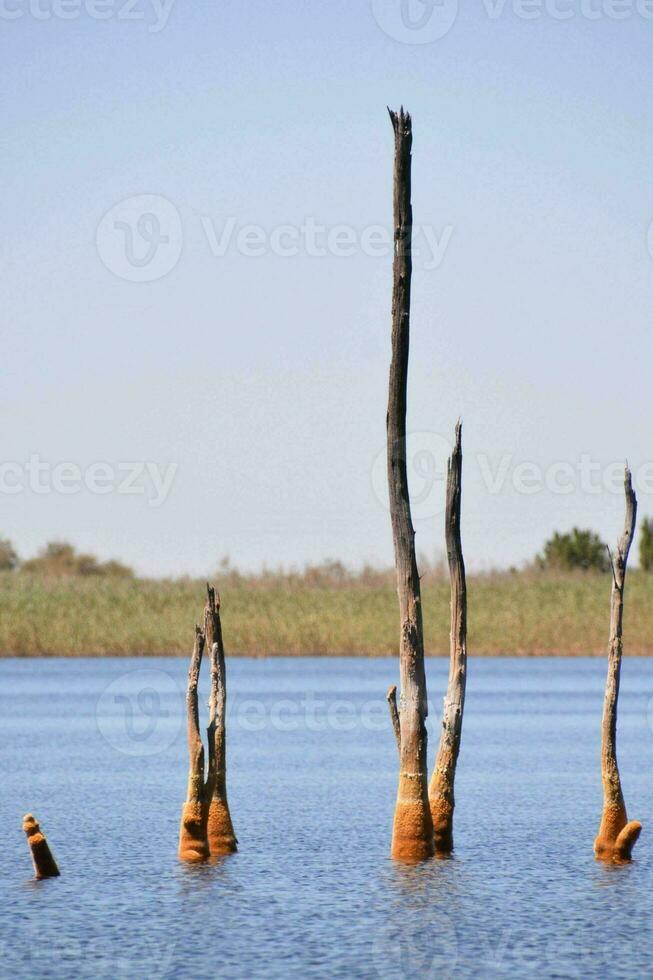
x=617 y=835
x=220 y=831
x=44 y=863
x=412 y=841
x=193 y=844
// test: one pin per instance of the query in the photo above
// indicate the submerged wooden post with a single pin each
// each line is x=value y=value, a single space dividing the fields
x=45 y=865
x=412 y=835
x=617 y=836
x=206 y=828
x=441 y=788
x=220 y=831
x=193 y=843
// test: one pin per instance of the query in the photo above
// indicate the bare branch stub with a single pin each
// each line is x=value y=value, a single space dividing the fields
x=617 y=835
x=412 y=836
x=441 y=788
x=391 y=698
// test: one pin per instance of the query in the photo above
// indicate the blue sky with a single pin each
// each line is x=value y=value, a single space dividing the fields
x=257 y=382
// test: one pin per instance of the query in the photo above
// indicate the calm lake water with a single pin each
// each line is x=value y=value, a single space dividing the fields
x=96 y=749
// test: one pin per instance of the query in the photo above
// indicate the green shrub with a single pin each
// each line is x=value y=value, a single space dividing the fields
x=646 y=545
x=576 y=550
x=8 y=557
x=59 y=558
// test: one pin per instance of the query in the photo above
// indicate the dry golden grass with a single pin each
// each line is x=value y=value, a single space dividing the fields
x=525 y=613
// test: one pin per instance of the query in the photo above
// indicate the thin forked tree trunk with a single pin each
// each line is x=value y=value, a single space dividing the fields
x=616 y=837
x=412 y=836
x=441 y=788
x=220 y=831
x=193 y=845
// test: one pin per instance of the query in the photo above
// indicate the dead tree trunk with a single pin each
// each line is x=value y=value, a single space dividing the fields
x=220 y=831
x=206 y=828
x=616 y=837
x=412 y=836
x=193 y=844
x=441 y=789
x=45 y=865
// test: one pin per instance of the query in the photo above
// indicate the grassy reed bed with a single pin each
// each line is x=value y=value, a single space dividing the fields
x=526 y=613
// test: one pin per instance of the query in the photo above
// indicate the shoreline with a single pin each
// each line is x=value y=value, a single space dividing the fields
x=520 y=614
x=545 y=655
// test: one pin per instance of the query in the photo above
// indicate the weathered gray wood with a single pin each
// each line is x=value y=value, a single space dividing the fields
x=217 y=699
x=441 y=788
x=195 y=791
x=193 y=845
x=616 y=837
x=221 y=837
x=412 y=837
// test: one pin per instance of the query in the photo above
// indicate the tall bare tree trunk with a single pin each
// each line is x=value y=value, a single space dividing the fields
x=193 y=844
x=220 y=831
x=45 y=865
x=441 y=789
x=616 y=837
x=412 y=836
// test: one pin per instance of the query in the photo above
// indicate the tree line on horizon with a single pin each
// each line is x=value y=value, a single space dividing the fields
x=59 y=558
x=575 y=550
